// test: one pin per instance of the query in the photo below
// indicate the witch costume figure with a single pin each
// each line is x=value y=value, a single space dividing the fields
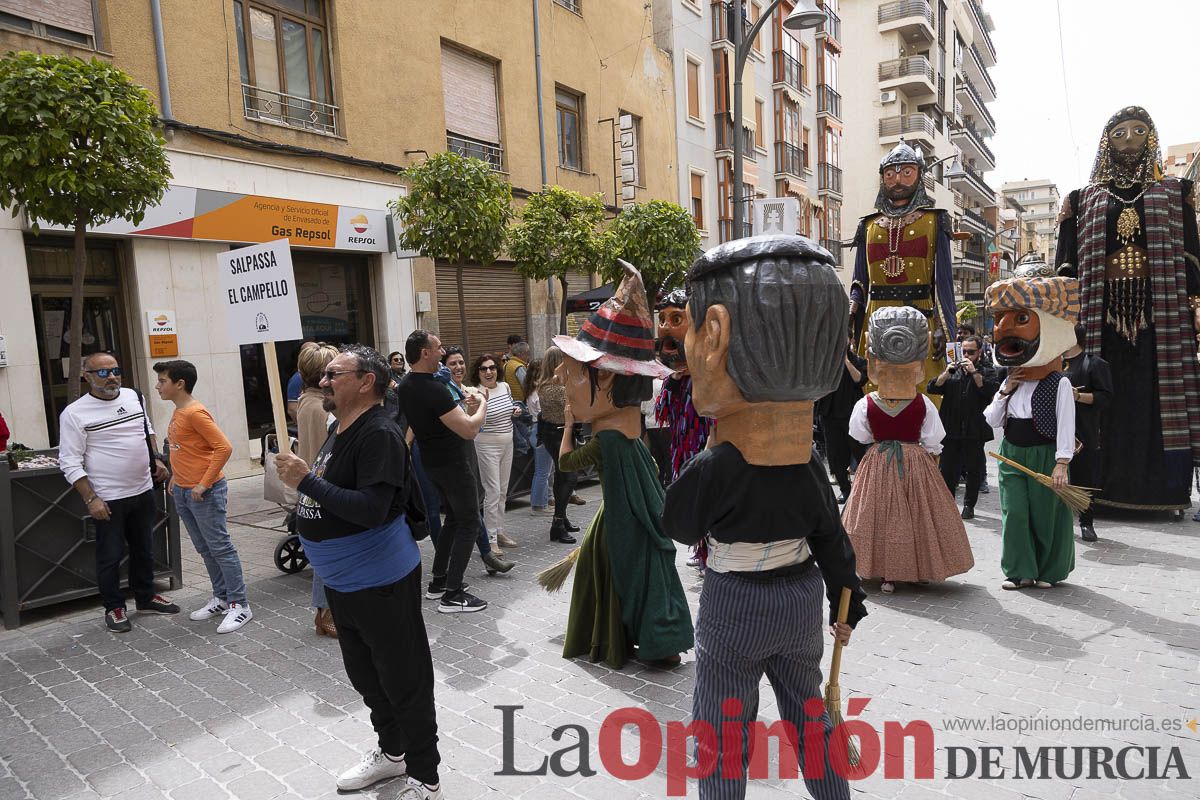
x=627 y=593
x=901 y=518
x=903 y=258
x=1130 y=238
x=1035 y=324
x=766 y=336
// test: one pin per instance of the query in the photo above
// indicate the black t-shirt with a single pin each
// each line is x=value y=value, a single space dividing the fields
x=357 y=480
x=423 y=401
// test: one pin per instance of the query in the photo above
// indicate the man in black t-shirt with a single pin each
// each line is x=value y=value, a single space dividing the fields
x=443 y=429
x=351 y=522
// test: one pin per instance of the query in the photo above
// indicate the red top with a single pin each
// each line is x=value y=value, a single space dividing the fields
x=3 y=434
x=904 y=427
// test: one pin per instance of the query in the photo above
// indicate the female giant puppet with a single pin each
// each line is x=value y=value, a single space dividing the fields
x=1130 y=238
x=627 y=591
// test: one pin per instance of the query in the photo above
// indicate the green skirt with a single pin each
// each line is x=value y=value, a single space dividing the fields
x=594 y=626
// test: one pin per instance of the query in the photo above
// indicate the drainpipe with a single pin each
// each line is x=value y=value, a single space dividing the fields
x=537 y=68
x=160 y=53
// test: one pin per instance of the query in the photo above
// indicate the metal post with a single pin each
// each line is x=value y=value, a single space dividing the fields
x=160 y=55
x=742 y=43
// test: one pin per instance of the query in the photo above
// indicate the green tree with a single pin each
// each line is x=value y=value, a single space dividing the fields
x=966 y=311
x=457 y=210
x=559 y=232
x=660 y=239
x=79 y=146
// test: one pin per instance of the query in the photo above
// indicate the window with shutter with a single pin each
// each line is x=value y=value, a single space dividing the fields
x=472 y=106
x=693 y=89
x=569 y=112
x=698 y=200
x=70 y=20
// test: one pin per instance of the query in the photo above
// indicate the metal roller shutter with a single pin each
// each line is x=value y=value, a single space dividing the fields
x=469 y=95
x=74 y=15
x=497 y=306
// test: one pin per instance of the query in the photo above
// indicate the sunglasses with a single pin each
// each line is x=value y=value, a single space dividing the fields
x=969 y=352
x=330 y=374
x=488 y=369
x=116 y=372
x=397 y=360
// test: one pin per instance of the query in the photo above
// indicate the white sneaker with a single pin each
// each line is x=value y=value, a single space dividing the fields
x=213 y=608
x=373 y=768
x=541 y=511
x=237 y=616
x=420 y=791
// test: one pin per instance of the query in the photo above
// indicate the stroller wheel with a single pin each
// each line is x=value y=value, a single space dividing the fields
x=289 y=555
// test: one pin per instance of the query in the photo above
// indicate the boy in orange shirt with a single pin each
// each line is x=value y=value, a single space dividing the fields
x=198 y=451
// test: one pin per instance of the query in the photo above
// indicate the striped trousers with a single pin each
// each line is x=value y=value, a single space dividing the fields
x=745 y=629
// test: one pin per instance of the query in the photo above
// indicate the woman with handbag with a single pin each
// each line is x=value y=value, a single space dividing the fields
x=312 y=428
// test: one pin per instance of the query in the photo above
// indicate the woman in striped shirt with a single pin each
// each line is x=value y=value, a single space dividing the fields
x=494 y=444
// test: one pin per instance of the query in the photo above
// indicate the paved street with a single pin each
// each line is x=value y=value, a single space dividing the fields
x=172 y=710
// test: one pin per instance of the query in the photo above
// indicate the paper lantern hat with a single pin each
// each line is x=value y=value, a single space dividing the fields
x=619 y=336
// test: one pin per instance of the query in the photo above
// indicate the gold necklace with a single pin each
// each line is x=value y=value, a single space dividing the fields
x=893 y=264
x=1129 y=223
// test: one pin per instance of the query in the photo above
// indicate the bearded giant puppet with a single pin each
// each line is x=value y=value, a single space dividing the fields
x=903 y=257
x=1130 y=238
x=1035 y=324
x=765 y=337
x=674 y=410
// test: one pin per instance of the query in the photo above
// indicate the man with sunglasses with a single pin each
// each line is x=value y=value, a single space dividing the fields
x=966 y=388
x=107 y=451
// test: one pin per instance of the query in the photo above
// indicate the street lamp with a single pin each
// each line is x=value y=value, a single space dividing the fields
x=804 y=15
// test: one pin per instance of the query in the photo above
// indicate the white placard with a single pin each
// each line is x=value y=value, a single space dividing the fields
x=3 y=351
x=259 y=293
x=160 y=322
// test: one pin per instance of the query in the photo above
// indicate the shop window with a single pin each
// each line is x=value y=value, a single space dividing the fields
x=283 y=57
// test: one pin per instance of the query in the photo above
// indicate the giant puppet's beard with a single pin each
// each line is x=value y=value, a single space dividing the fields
x=1055 y=337
x=670 y=353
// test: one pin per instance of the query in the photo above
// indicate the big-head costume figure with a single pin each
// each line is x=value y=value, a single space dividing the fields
x=674 y=408
x=627 y=591
x=902 y=256
x=1035 y=324
x=1130 y=238
x=765 y=338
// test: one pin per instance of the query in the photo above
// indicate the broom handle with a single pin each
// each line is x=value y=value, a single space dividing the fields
x=843 y=614
x=1012 y=463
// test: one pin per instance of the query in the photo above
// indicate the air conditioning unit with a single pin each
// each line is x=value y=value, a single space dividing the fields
x=887 y=97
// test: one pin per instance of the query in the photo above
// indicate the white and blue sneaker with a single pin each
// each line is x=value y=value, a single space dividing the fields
x=213 y=608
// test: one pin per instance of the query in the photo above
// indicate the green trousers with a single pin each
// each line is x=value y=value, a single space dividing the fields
x=1038 y=534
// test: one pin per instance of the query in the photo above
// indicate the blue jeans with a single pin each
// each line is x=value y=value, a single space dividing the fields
x=543 y=468
x=205 y=523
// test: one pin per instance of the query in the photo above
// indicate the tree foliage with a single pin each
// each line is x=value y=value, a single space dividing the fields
x=660 y=239
x=456 y=210
x=966 y=311
x=79 y=146
x=560 y=231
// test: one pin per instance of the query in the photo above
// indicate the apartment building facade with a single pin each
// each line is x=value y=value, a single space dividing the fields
x=790 y=124
x=297 y=114
x=1040 y=201
x=918 y=70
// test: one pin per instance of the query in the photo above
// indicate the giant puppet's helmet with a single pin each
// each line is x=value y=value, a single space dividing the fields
x=1035 y=314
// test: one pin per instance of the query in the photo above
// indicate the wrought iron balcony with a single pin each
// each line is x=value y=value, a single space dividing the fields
x=722 y=22
x=832 y=27
x=789 y=71
x=570 y=5
x=828 y=101
x=725 y=134
x=287 y=109
x=829 y=178
x=972 y=133
x=907 y=125
x=493 y=154
x=968 y=88
x=901 y=9
x=977 y=13
x=789 y=159
x=987 y=79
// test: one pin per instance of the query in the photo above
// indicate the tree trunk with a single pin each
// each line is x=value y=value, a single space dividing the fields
x=75 y=352
x=462 y=311
x=562 y=316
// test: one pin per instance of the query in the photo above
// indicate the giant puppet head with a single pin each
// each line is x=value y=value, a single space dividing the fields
x=1035 y=315
x=897 y=344
x=901 y=181
x=765 y=337
x=672 y=327
x=608 y=369
x=1129 y=151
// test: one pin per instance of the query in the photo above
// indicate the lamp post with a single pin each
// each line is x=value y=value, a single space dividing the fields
x=804 y=15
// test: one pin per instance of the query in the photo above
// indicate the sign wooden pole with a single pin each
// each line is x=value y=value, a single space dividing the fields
x=278 y=408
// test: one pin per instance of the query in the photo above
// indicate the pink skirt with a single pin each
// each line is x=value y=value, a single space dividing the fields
x=905 y=528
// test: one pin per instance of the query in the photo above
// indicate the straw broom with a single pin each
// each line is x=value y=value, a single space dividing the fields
x=552 y=578
x=833 y=691
x=1077 y=498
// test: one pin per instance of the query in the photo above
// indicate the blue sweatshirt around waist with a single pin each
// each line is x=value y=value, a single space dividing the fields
x=375 y=557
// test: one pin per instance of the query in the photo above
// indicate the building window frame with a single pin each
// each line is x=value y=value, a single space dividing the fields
x=574 y=6
x=760 y=119
x=689 y=62
x=696 y=175
x=30 y=27
x=568 y=111
x=312 y=107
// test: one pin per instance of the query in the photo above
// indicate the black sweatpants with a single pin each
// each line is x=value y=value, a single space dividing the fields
x=130 y=523
x=386 y=653
x=460 y=492
x=960 y=454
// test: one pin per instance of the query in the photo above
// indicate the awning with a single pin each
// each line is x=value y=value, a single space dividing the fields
x=589 y=300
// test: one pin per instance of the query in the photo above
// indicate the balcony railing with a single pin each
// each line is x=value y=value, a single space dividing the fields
x=290 y=110
x=789 y=70
x=977 y=138
x=987 y=79
x=977 y=219
x=975 y=179
x=493 y=154
x=789 y=159
x=909 y=124
x=828 y=101
x=905 y=8
x=570 y=5
x=977 y=12
x=722 y=22
x=834 y=246
x=725 y=128
x=829 y=178
x=977 y=99
x=918 y=66
x=832 y=27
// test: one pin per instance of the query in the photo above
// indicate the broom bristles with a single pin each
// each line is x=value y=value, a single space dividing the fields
x=1077 y=498
x=552 y=578
x=833 y=705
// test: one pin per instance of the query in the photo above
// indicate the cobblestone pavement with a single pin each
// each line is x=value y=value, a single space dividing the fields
x=172 y=710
